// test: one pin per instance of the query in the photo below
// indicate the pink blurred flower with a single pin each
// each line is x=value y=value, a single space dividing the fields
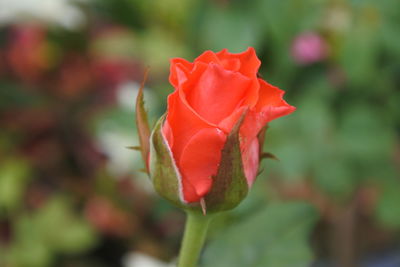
x=108 y=218
x=28 y=51
x=308 y=48
x=75 y=78
x=113 y=71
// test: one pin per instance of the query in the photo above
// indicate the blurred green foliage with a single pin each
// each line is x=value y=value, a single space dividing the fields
x=283 y=242
x=13 y=180
x=52 y=229
x=66 y=119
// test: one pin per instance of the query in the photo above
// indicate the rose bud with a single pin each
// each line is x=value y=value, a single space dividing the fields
x=205 y=152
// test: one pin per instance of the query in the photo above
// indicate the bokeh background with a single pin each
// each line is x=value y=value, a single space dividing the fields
x=72 y=194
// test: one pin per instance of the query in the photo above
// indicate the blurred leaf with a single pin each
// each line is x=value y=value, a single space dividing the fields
x=285 y=18
x=30 y=254
x=28 y=248
x=358 y=53
x=157 y=47
x=276 y=236
x=54 y=228
x=121 y=44
x=126 y=12
x=13 y=181
x=17 y=95
x=76 y=234
x=335 y=177
x=365 y=135
x=229 y=28
x=387 y=210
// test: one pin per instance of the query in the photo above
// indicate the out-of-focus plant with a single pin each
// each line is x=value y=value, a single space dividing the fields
x=57 y=198
x=344 y=138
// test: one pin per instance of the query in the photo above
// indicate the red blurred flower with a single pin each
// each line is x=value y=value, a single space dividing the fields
x=108 y=218
x=75 y=78
x=111 y=72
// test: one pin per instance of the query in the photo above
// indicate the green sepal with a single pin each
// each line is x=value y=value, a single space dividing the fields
x=229 y=184
x=163 y=171
x=137 y=148
x=261 y=141
x=142 y=124
x=261 y=138
x=268 y=155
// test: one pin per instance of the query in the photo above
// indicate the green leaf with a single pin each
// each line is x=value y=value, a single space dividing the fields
x=276 y=236
x=143 y=124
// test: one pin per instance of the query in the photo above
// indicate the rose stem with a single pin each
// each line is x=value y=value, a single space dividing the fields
x=193 y=238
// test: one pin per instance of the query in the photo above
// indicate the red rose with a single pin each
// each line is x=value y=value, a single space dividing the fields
x=210 y=96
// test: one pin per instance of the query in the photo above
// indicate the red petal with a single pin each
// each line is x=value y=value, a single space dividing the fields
x=183 y=122
x=179 y=71
x=215 y=93
x=270 y=95
x=208 y=57
x=199 y=162
x=167 y=132
x=188 y=192
x=227 y=124
x=249 y=63
x=250 y=159
x=246 y=62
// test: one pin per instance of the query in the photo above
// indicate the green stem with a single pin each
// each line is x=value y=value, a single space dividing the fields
x=193 y=239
